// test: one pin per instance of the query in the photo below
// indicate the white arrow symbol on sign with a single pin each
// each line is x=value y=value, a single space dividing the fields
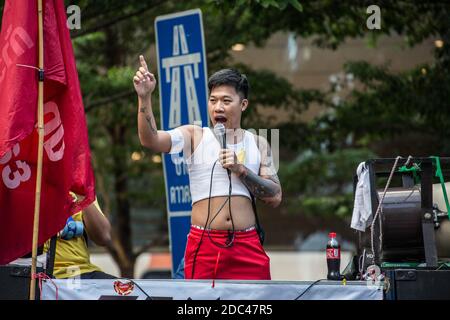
x=172 y=66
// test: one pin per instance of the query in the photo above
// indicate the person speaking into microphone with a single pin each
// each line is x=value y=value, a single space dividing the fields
x=228 y=168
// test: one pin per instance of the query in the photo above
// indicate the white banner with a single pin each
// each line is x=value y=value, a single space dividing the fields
x=107 y=289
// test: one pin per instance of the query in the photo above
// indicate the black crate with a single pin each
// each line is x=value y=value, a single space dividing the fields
x=413 y=284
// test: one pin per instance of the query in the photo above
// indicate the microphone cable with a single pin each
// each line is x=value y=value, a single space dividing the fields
x=206 y=223
x=231 y=238
x=231 y=235
x=308 y=288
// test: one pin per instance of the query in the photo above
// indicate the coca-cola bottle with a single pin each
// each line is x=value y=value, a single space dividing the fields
x=333 y=257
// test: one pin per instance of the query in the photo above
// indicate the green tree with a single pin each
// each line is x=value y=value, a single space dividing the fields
x=114 y=33
x=318 y=158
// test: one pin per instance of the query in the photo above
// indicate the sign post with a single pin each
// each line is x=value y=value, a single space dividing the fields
x=183 y=93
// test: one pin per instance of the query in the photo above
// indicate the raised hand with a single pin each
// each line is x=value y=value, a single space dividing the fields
x=144 y=81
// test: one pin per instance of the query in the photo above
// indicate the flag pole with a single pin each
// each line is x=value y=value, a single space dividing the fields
x=40 y=121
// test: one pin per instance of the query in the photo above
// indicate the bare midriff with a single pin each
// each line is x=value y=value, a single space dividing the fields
x=241 y=213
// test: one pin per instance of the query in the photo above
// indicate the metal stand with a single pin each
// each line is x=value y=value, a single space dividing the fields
x=425 y=226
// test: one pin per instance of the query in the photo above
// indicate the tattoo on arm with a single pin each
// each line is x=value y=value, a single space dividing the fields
x=150 y=119
x=260 y=187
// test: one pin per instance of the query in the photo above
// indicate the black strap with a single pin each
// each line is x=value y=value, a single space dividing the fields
x=51 y=257
x=85 y=235
x=259 y=229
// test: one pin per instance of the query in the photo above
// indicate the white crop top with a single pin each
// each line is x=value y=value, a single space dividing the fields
x=201 y=162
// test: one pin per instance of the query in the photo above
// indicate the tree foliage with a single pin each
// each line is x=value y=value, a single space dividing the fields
x=319 y=158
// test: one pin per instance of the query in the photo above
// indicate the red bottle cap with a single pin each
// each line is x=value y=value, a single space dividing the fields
x=332 y=235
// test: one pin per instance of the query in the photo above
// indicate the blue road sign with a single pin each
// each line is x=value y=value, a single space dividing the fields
x=183 y=93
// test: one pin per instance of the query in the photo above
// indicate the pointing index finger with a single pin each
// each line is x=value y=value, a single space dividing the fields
x=143 y=63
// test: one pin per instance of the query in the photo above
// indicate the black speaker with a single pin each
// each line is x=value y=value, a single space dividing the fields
x=412 y=284
x=15 y=282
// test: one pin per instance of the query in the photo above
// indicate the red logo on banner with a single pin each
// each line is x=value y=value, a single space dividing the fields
x=123 y=288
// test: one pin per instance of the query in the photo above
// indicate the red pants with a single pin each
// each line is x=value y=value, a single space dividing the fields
x=245 y=259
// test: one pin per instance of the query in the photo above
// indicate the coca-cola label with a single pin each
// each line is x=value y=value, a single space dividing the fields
x=333 y=253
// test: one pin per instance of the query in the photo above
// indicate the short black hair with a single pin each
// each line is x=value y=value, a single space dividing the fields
x=230 y=77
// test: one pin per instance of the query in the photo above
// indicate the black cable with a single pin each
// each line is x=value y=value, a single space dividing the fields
x=309 y=287
x=233 y=231
x=206 y=223
x=218 y=211
x=230 y=189
x=232 y=237
x=132 y=281
x=230 y=242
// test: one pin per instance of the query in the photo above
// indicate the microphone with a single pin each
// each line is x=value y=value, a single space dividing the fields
x=219 y=131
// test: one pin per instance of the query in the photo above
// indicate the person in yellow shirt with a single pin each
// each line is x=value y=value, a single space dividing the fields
x=72 y=257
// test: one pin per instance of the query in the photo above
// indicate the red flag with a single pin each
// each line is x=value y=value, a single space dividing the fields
x=66 y=163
